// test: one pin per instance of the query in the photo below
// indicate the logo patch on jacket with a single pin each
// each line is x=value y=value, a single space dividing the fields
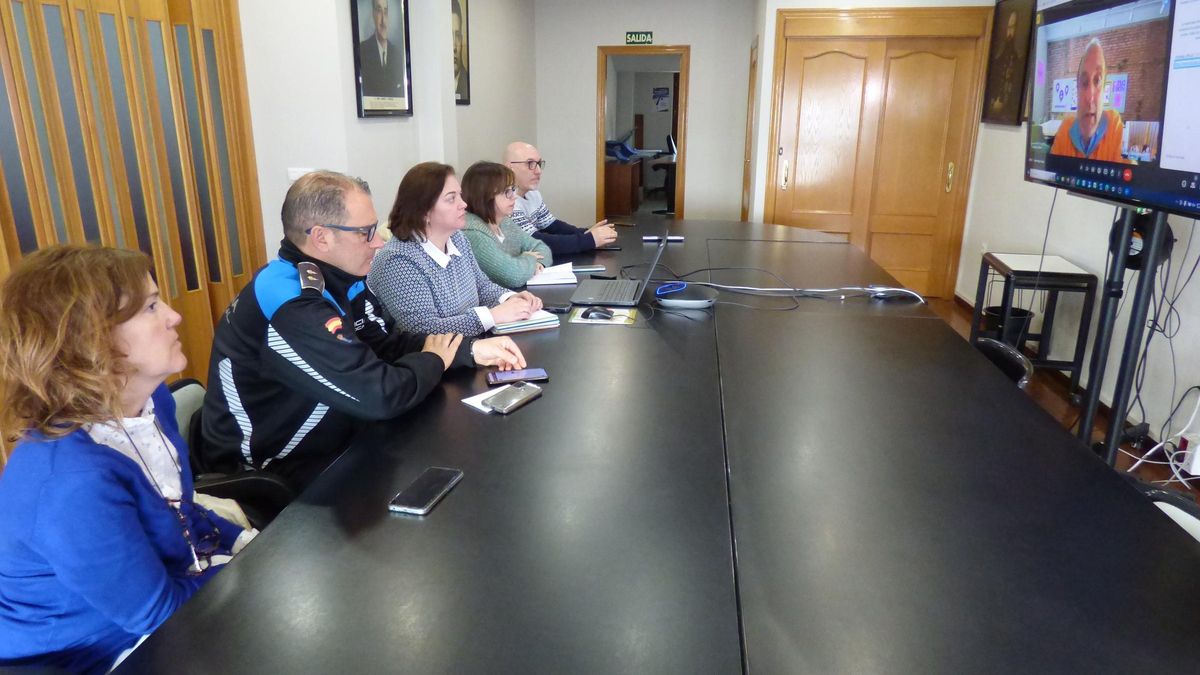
x=334 y=326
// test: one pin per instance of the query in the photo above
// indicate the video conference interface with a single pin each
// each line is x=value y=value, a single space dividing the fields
x=1115 y=96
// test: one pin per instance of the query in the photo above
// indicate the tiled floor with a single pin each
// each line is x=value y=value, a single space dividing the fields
x=1050 y=391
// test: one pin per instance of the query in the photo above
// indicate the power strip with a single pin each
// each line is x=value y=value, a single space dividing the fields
x=1190 y=444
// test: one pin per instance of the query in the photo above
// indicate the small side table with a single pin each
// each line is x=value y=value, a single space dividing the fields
x=1020 y=271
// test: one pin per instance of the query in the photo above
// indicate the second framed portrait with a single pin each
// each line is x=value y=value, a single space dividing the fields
x=382 y=68
x=1004 y=97
x=462 y=52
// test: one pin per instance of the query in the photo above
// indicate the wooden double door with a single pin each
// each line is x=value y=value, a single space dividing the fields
x=875 y=127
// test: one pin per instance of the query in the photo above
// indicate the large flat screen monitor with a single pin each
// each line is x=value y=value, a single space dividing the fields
x=1116 y=101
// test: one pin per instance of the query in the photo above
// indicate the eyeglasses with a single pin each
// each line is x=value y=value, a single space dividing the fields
x=367 y=230
x=531 y=164
x=509 y=192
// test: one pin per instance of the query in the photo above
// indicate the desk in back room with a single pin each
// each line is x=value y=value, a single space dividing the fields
x=847 y=487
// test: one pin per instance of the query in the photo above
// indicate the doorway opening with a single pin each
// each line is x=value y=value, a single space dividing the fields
x=641 y=130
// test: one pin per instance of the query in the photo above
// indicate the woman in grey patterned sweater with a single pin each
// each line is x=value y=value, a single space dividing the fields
x=427 y=276
x=506 y=253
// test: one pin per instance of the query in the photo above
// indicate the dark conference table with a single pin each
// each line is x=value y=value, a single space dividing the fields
x=847 y=487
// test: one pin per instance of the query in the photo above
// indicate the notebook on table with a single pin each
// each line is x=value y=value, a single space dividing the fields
x=616 y=292
x=537 y=321
x=550 y=276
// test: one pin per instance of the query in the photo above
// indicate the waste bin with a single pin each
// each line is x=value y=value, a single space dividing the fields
x=1017 y=329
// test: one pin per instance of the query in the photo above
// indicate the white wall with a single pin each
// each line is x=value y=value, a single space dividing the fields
x=503 y=87
x=300 y=77
x=610 y=100
x=569 y=31
x=657 y=124
x=623 y=106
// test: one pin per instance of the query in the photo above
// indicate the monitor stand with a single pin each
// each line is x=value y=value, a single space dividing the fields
x=1109 y=303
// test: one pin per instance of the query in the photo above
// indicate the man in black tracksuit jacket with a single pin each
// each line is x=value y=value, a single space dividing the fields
x=306 y=349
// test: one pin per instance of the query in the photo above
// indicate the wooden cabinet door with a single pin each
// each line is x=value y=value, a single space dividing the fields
x=924 y=125
x=827 y=126
x=748 y=155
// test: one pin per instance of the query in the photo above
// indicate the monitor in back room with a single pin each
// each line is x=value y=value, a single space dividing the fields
x=1116 y=101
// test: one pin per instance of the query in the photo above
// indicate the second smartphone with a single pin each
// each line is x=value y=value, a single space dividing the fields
x=509 y=376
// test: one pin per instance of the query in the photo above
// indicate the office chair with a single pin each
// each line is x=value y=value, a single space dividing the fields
x=668 y=168
x=1014 y=364
x=669 y=150
x=260 y=494
x=1179 y=507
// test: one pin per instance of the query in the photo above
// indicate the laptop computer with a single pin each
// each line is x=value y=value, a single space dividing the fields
x=616 y=292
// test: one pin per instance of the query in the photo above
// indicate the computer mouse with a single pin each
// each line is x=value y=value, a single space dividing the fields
x=597 y=313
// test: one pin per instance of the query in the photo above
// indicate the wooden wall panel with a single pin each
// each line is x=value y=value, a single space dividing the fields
x=164 y=191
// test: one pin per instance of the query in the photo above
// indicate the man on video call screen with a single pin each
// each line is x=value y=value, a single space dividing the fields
x=1094 y=132
x=1099 y=82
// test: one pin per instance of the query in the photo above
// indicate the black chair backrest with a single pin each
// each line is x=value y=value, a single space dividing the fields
x=195 y=440
x=1008 y=359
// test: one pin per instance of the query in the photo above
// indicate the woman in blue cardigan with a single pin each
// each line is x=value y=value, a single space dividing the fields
x=100 y=537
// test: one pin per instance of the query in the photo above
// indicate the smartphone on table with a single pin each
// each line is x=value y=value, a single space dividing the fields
x=513 y=397
x=422 y=494
x=524 y=375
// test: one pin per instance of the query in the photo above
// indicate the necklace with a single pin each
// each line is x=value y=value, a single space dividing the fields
x=175 y=505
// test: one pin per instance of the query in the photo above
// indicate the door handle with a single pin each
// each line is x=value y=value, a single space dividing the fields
x=786 y=166
x=949 y=176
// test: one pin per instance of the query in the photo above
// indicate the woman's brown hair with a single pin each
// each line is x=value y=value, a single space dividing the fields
x=480 y=185
x=60 y=367
x=415 y=198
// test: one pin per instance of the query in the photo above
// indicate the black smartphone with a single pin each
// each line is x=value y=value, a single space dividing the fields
x=509 y=376
x=609 y=247
x=513 y=397
x=557 y=309
x=420 y=496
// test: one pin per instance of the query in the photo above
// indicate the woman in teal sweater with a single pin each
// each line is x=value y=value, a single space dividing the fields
x=505 y=252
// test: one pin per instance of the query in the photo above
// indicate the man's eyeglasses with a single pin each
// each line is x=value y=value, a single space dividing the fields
x=510 y=191
x=367 y=230
x=531 y=164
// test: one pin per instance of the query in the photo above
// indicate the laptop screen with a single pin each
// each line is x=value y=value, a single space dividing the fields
x=662 y=244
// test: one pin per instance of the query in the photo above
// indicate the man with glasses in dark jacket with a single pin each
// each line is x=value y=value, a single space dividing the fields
x=306 y=350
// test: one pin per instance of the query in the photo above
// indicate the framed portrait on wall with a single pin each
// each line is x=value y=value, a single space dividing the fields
x=382 y=71
x=462 y=52
x=1012 y=28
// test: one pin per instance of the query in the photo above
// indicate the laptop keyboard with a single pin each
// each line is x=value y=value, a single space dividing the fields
x=602 y=292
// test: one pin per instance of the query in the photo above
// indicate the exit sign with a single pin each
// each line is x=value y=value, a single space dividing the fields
x=639 y=37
